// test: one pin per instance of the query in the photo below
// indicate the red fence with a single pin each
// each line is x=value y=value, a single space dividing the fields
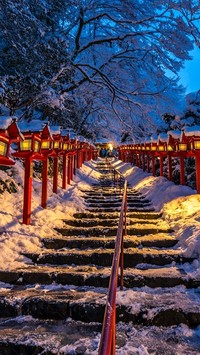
x=40 y=145
x=175 y=144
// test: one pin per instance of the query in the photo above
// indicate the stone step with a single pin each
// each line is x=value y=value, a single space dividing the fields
x=89 y=215
x=102 y=257
x=102 y=199
x=137 y=230
x=158 y=240
x=85 y=275
x=115 y=215
x=30 y=336
x=161 y=308
x=115 y=192
x=87 y=222
x=114 y=202
x=110 y=209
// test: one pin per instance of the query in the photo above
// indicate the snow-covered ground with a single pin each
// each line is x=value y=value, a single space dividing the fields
x=180 y=206
x=181 y=209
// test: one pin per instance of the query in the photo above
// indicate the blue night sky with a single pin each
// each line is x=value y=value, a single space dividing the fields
x=190 y=75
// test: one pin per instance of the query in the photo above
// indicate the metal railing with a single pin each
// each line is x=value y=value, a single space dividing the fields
x=108 y=335
x=118 y=177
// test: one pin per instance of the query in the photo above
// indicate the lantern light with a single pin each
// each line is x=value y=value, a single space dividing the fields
x=3 y=147
x=46 y=145
x=196 y=144
x=169 y=148
x=161 y=148
x=153 y=147
x=65 y=146
x=182 y=147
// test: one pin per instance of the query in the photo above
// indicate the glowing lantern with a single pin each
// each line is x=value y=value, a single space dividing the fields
x=182 y=147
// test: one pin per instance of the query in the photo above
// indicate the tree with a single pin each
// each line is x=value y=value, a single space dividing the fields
x=118 y=71
x=121 y=52
x=34 y=62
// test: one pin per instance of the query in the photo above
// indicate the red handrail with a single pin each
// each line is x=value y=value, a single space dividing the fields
x=108 y=335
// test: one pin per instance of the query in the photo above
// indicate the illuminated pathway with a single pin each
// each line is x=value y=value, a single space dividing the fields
x=63 y=294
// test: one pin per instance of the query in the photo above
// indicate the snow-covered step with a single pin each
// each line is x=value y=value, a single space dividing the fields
x=130 y=209
x=135 y=229
x=115 y=203
x=89 y=222
x=114 y=192
x=103 y=257
x=85 y=275
x=26 y=335
x=158 y=240
x=115 y=215
x=165 y=307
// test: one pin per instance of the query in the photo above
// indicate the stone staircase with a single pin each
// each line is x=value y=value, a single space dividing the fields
x=56 y=305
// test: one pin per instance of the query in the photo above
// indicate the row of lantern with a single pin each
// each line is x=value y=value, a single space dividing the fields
x=40 y=144
x=172 y=144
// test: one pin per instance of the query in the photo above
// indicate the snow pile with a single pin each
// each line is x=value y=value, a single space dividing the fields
x=180 y=206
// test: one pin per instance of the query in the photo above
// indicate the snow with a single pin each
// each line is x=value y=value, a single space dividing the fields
x=163 y=137
x=32 y=126
x=175 y=134
x=192 y=131
x=180 y=206
x=181 y=209
x=5 y=121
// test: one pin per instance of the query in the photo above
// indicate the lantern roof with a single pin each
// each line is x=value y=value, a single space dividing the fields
x=46 y=132
x=162 y=138
x=148 y=140
x=193 y=131
x=32 y=126
x=154 y=138
x=174 y=134
x=5 y=121
x=14 y=132
x=55 y=129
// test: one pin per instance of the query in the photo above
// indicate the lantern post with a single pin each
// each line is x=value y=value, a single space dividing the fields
x=191 y=135
x=147 y=150
x=65 y=151
x=172 y=144
x=8 y=134
x=182 y=150
x=29 y=149
x=46 y=151
x=161 y=150
x=57 y=147
x=153 y=148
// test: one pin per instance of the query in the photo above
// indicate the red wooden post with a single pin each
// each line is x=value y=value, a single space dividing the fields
x=68 y=171
x=148 y=163
x=143 y=161
x=55 y=174
x=153 y=165
x=182 y=170
x=44 y=182
x=71 y=167
x=197 y=162
x=64 y=174
x=169 y=167
x=78 y=159
x=75 y=158
x=27 y=190
x=161 y=165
